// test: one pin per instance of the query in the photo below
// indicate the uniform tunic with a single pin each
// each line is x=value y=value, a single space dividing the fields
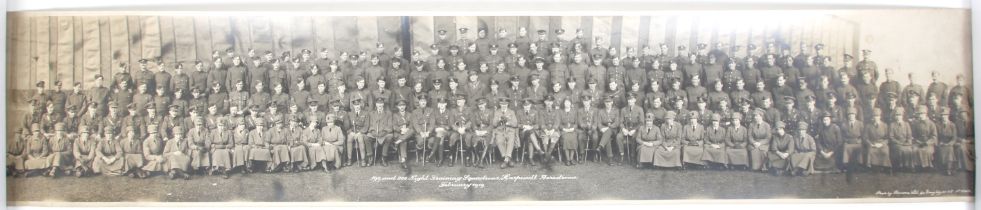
x=297 y=151
x=672 y=137
x=736 y=153
x=693 y=148
x=109 y=148
x=715 y=136
x=829 y=140
x=240 y=154
x=901 y=143
x=852 y=150
x=877 y=133
x=333 y=142
x=259 y=145
x=61 y=150
x=198 y=138
x=946 y=137
x=310 y=138
x=133 y=153
x=648 y=134
x=759 y=144
x=175 y=154
x=804 y=151
x=965 y=146
x=38 y=151
x=924 y=141
x=16 y=151
x=506 y=132
x=780 y=144
x=153 y=152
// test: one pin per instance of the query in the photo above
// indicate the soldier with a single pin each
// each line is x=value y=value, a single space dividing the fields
x=693 y=134
x=153 y=151
x=867 y=65
x=505 y=132
x=760 y=134
x=528 y=121
x=737 y=138
x=588 y=134
x=597 y=71
x=802 y=159
x=378 y=132
x=648 y=140
x=830 y=142
x=608 y=121
x=852 y=132
x=887 y=87
x=445 y=124
x=198 y=143
x=946 y=139
x=356 y=133
x=715 y=139
x=668 y=153
x=175 y=154
x=901 y=141
x=924 y=140
x=83 y=151
x=482 y=119
x=311 y=141
x=876 y=137
x=297 y=150
x=76 y=98
x=548 y=123
x=109 y=155
x=280 y=146
x=59 y=146
x=17 y=152
x=964 y=147
x=99 y=93
x=632 y=116
x=333 y=143
x=402 y=131
x=782 y=146
x=132 y=147
x=258 y=147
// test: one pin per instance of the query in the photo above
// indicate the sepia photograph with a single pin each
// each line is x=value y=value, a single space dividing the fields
x=109 y=107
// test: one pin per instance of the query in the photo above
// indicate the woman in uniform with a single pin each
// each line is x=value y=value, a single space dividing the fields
x=333 y=142
x=109 y=155
x=715 y=140
x=877 y=141
x=802 y=159
x=153 y=151
x=259 y=147
x=83 y=150
x=17 y=152
x=946 y=137
x=900 y=141
x=692 y=146
x=132 y=147
x=60 y=145
x=736 y=140
x=782 y=146
x=760 y=134
x=648 y=140
x=668 y=154
x=176 y=151
x=198 y=137
x=240 y=153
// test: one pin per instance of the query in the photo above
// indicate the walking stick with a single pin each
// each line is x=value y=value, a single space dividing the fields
x=459 y=152
x=422 y=156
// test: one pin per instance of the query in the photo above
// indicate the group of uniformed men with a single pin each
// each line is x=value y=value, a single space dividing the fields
x=467 y=102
